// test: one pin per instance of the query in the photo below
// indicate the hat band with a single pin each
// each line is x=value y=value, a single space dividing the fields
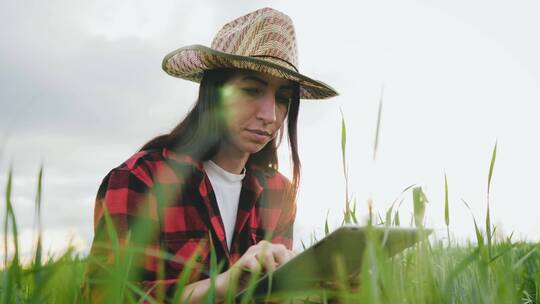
x=280 y=59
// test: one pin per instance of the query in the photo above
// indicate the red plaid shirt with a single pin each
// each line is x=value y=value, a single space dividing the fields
x=170 y=195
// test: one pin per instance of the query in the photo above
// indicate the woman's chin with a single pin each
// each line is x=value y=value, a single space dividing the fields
x=253 y=148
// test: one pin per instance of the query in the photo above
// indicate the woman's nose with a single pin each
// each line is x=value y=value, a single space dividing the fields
x=267 y=109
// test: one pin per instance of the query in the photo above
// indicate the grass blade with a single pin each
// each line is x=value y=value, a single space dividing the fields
x=343 y=139
x=347 y=216
x=326 y=229
x=396 y=218
x=419 y=206
x=523 y=259
x=6 y=214
x=37 y=206
x=491 y=166
x=353 y=213
x=460 y=267
x=388 y=217
x=38 y=274
x=446 y=209
x=488 y=217
x=12 y=275
x=186 y=273
x=6 y=274
x=377 y=129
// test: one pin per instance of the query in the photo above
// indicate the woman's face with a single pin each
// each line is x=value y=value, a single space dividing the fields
x=254 y=108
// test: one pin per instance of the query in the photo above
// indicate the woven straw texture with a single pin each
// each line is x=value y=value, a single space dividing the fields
x=262 y=41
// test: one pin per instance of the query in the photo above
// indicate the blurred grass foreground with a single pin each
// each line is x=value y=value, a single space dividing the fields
x=486 y=270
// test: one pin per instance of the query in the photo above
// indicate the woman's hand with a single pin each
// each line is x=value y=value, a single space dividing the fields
x=264 y=256
x=260 y=258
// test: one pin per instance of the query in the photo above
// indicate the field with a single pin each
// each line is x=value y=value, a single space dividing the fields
x=486 y=270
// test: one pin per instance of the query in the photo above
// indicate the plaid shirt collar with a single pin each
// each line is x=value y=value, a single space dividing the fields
x=249 y=196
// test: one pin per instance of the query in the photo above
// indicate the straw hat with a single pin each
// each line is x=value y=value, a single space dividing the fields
x=262 y=41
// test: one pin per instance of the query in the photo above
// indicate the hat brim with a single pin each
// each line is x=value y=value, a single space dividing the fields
x=190 y=62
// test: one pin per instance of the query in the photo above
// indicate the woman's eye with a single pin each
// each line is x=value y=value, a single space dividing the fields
x=251 y=91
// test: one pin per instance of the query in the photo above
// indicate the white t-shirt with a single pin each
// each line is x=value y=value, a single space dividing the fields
x=227 y=188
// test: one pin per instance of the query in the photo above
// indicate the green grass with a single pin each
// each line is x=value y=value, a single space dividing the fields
x=489 y=270
x=486 y=270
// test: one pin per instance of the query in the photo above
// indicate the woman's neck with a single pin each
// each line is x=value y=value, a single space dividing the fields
x=230 y=160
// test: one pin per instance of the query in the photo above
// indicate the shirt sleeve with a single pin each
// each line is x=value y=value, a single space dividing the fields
x=126 y=240
x=285 y=226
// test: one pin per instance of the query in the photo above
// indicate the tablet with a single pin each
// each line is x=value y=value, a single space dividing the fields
x=316 y=264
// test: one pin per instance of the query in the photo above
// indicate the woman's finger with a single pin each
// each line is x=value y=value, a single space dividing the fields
x=251 y=264
x=266 y=258
x=280 y=254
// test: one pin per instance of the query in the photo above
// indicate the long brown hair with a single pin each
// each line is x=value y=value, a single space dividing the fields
x=200 y=132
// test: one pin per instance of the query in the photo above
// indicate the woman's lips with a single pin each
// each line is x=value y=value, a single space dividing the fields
x=259 y=135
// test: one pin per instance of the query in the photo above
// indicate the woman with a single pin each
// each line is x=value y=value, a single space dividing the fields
x=212 y=182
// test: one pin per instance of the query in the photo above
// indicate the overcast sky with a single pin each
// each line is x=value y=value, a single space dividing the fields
x=81 y=89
